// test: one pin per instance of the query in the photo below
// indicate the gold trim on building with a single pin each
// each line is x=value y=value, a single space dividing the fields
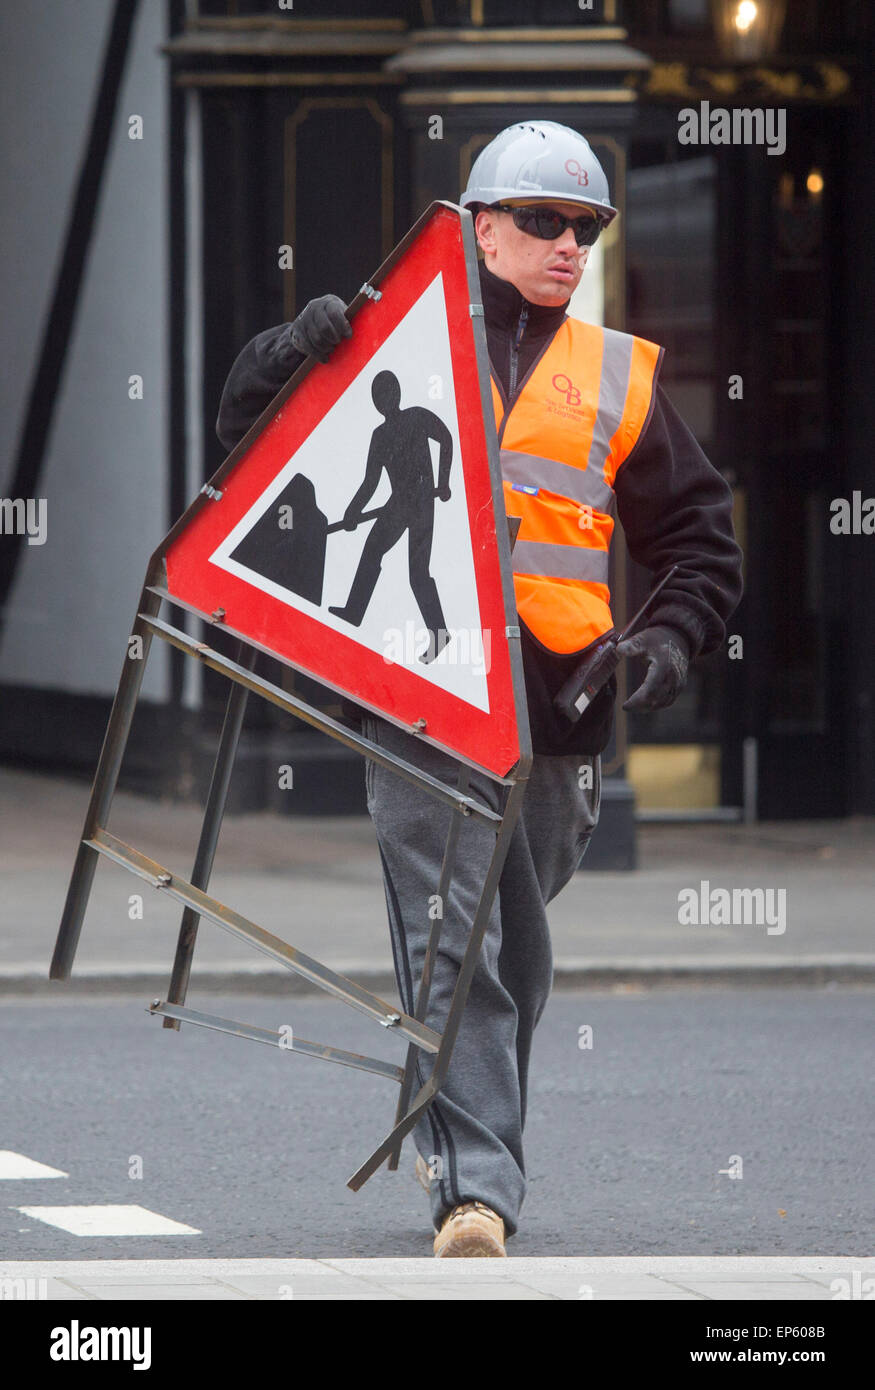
x=287 y=79
x=540 y=34
x=290 y=141
x=614 y=239
x=685 y=80
x=469 y=150
x=676 y=776
x=281 y=44
x=254 y=21
x=555 y=96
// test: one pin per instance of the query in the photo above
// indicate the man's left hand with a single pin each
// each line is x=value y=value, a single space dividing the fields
x=668 y=656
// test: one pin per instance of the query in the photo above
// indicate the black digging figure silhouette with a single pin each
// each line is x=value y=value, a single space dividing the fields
x=400 y=445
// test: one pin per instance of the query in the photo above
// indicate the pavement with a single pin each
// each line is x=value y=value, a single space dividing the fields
x=316 y=883
x=704 y=1278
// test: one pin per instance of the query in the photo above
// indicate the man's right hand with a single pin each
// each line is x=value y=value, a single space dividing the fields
x=320 y=326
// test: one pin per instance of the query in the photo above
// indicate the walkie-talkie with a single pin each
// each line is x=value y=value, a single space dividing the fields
x=596 y=669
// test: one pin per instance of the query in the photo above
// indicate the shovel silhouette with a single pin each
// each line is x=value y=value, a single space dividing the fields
x=293 y=557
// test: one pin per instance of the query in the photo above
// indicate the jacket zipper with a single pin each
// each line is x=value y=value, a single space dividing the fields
x=514 y=367
x=515 y=353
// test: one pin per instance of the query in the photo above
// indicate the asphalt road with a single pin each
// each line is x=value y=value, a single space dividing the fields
x=626 y=1139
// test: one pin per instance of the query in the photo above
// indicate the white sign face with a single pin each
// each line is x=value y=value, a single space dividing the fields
x=401 y=584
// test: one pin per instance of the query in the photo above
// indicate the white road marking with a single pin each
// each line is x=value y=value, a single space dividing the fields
x=15 y=1167
x=109 y=1221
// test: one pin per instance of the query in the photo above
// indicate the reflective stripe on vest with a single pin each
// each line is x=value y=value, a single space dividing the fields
x=578 y=416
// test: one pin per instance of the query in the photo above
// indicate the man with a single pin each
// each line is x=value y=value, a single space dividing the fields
x=584 y=429
x=401 y=446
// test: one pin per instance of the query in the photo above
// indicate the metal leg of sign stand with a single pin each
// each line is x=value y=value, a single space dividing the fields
x=103 y=789
x=197 y=903
x=447 y=867
x=214 y=811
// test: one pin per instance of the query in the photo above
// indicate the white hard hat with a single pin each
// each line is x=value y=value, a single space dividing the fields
x=540 y=160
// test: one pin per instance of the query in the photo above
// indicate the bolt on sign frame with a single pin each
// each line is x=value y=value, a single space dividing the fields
x=496 y=743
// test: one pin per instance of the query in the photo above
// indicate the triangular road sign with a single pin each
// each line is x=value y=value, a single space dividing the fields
x=352 y=533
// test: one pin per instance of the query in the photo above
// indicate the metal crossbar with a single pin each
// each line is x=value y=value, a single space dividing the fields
x=186 y=893
x=277 y=1039
x=97 y=841
x=468 y=805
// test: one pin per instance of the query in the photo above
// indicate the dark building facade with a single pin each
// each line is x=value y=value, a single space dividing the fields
x=743 y=246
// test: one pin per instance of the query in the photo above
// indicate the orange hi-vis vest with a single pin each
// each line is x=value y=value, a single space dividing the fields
x=579 y=414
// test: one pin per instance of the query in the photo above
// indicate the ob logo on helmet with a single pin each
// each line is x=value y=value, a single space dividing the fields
x=577 y=169
x=540 y=160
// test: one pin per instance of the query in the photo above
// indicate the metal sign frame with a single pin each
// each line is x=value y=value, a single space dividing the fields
x=96 y=840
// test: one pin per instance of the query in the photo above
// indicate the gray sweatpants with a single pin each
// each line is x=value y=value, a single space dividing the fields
x=471 y=1135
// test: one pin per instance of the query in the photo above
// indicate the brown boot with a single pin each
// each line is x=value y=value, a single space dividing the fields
x=471 y=1230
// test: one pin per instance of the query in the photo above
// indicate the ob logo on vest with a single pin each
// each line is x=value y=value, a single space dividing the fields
x=567 y=388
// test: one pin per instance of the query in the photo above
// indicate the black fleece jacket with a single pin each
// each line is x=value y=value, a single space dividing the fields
x=674 y=506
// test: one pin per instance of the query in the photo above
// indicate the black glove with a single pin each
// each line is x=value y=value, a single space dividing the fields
x=320 y=326
x=668 y=656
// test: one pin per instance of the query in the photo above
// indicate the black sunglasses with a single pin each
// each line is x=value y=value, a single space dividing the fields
x=548 y=225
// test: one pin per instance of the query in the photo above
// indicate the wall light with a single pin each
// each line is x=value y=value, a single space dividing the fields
x=748 y=30
x=814 y=183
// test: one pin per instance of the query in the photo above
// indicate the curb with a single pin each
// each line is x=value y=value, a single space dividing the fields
x=571 y=973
